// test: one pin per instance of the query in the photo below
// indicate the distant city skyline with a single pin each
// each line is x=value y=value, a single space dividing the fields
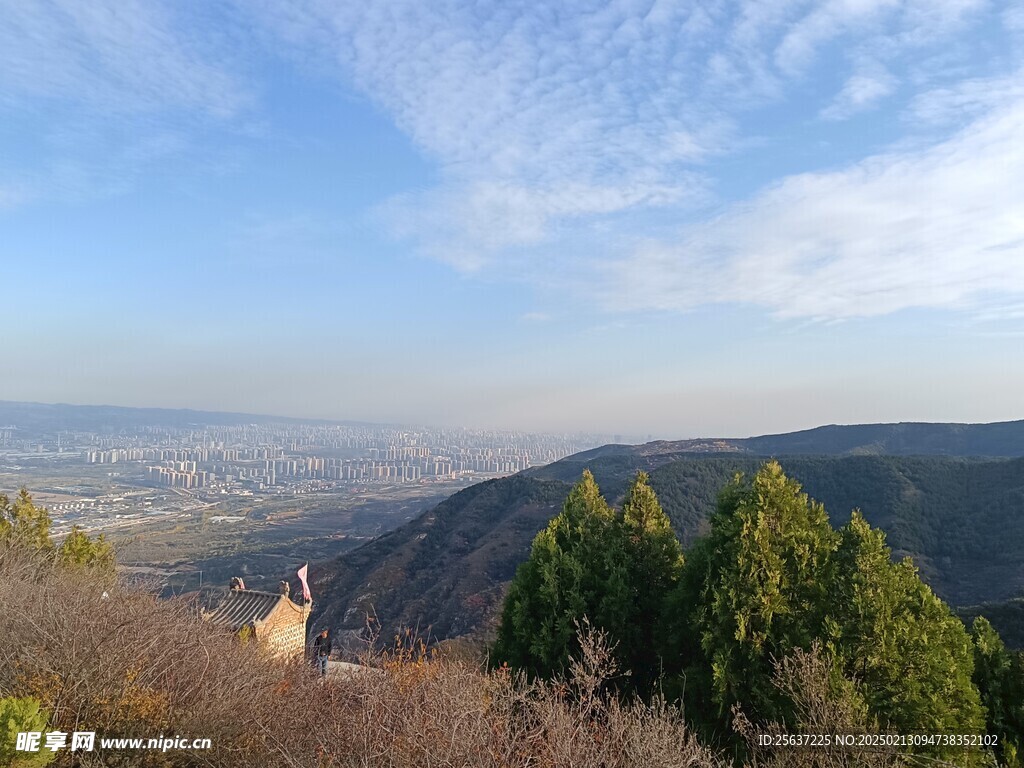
x=675 y=219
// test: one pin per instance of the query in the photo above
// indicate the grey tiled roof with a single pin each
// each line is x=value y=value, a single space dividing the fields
x=236 y=608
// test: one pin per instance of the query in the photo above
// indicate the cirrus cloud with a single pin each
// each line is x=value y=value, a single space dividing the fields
x=570 y=141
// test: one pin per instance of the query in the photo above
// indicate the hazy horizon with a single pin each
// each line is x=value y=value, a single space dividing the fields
x=625 y=437
x=635 y=217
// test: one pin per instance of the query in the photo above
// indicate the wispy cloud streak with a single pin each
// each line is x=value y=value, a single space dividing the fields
x=938 y=228
x=100 y=92
x=122 y=57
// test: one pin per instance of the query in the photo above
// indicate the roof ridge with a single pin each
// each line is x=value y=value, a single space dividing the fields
x=228 y=590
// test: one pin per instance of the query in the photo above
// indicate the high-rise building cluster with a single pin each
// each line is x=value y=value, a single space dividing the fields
x=277 y=456
x=182 y=474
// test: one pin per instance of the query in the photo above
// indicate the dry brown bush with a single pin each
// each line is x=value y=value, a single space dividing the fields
x=823 y=704
x=113 y=659
x=105 y=658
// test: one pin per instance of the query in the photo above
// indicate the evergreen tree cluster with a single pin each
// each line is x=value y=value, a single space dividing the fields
x=22 y=523
x=612 y=567
x=772 y=576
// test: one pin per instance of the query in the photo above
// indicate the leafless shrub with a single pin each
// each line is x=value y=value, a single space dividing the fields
x=114 y=659
x=431 y=709
x=825 y=705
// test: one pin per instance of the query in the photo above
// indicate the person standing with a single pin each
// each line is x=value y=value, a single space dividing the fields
x=322 y=652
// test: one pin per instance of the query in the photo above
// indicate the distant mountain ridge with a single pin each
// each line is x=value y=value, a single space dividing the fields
x=1004 y=439
x=950 y=495
x=998 y=439
x=51 y=417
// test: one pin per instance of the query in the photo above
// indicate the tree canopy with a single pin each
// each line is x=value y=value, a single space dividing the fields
x=79 y=550
x=775 y=576
x=763 y=587
x=25 y=524
x=771 y=578
x=612 y=568
x=911 y=655
x=19 y=715
x=563 y=580
x=23 y=521
x=999 y=675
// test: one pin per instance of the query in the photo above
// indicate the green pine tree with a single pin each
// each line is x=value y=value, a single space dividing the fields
x=999 y=675
x=27 y=525
x=773 y=576
x=764 y=586
x=81 y=551
x=24 y=522
x=901 y=642
x=653 y=561
x=613 y=569
x=22 y=715
x=563 y=580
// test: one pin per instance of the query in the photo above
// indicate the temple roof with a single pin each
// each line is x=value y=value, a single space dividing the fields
x=236 y=608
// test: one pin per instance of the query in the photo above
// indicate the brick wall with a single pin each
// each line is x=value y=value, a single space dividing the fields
x=284 y=631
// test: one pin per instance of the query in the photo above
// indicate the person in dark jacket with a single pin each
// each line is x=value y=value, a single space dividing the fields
x=322 y=652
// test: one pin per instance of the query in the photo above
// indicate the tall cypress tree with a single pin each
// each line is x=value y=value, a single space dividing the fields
x=564 y=580
x=763 y=590
x=911 y=655
x=773 y=575
x=613 y=569
x=653 y=561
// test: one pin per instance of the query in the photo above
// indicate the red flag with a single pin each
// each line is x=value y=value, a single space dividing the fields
x=303 y=571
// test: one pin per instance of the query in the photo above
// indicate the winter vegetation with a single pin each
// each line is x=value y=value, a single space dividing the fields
x=615 y=648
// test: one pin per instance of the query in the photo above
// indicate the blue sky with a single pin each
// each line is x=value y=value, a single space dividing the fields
x=667 y=218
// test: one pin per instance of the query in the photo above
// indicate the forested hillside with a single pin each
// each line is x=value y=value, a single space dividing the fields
x=1000 y=439
x=903 y=439
x=961 y=519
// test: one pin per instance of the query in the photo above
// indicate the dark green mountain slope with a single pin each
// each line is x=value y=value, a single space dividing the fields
x=1001 y=439
x=904 y=439
x=961 y=519
x=446 y=569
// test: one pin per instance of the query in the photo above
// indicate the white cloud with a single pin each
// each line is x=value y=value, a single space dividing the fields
x=537 y=117
x=825 y=22
x=882 y=26
x=546 y=122
x=464 y=224
x=558 y=130
x=939 y=227
x=966 y=99
x=861 y=92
